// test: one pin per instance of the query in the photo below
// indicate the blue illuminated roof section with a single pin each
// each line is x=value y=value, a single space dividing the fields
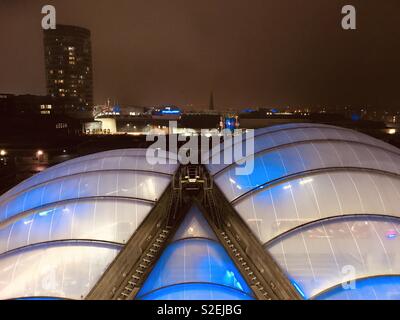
x=197 y=291
x=284 y=135
x=195 y=266
x=318 y=156
x=321 y=199
x=375 y=288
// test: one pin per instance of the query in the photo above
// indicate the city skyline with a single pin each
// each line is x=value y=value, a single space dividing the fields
x=289 y=53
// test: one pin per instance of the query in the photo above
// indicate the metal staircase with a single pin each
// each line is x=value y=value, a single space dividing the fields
x=246 y=270
x=258 y=268
x=124 y=277
x=140 y=270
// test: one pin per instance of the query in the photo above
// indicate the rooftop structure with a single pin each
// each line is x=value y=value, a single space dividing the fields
x=320 y=209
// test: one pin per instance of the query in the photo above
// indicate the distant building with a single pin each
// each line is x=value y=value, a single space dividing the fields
x=68 y=62
x=166 y=113
x=37 y=115
x=27 y=104
x=5 y=99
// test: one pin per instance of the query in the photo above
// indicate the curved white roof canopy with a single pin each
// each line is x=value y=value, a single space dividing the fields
x=71 y=220
x=320 y=199
x=323 y=255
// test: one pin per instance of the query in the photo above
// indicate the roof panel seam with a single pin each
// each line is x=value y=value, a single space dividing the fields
x=78 y=174
x=273 y=241
x=298 y=175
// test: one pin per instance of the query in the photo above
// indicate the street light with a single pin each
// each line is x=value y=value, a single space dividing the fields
x=39 y=155
x=3 y=153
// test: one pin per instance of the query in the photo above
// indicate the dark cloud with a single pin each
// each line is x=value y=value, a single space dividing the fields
x=250 y=52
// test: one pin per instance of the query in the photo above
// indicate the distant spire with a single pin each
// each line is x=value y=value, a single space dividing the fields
x=211 y=106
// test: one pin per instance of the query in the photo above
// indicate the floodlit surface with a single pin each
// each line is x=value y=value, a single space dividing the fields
x=194 y=291
x=100 y=219
x=325 y=254
x=276 y=164
x=55 y=270
x=97 y=202
x=375 y=288
x=306 y=174
x=125 y=159
x=323 y=201
x=195 y=266
x=284 y=135
x=278 y=209
x=134 y=185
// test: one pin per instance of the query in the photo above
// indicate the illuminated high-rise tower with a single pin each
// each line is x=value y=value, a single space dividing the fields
x=68 y=61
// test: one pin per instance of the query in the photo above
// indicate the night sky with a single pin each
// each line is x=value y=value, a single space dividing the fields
x=249 y=52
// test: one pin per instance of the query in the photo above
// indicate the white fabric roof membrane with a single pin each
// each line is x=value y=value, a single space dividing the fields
x=373 y=288
x=288 y=205
x=320 y=199
x=326 y=254
x=124 y=160
x=97 y=202
x=289 y=134
x=110 y=220
x=285 y=162
x=310 y=172
x=59 y=270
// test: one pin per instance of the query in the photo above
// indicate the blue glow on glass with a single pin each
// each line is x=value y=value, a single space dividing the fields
x=267 y=167
x=117 y=109
x=231 y=279
x=230 y=123
x=194 y=261
x=375 y=288
x=170 y=111
x=297 y=287
x=391 y=234
x=197 y=291
x=45 y=213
